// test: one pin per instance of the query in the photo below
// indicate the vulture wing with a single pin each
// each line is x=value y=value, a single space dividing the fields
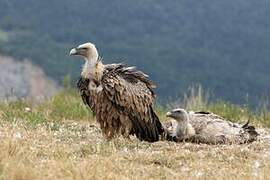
x=216 y=129
x=131 y=92
x=82 y=86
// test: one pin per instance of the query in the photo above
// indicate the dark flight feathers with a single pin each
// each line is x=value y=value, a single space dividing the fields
x=124 y=104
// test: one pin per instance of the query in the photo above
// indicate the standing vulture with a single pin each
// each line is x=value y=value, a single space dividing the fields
x=206 y=127
x=121 y=97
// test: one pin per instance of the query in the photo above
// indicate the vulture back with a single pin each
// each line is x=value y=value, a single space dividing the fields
x=213 y=129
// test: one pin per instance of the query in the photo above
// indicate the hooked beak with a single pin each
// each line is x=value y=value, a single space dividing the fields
x=169 y=114
x=73 y=52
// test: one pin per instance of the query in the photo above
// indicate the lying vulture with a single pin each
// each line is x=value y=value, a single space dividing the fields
x=121 y=97
x=206 y=127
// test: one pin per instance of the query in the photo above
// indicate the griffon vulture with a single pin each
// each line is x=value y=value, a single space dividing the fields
x=205 y=127
x=121 y=97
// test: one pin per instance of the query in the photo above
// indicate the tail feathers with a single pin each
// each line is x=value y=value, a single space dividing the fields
x=246 y=124
x=147 y=130
x=251 y=131
x=153 y=127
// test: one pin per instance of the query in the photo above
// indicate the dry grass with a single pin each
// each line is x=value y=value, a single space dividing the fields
x=59 y=139
x=73 y=150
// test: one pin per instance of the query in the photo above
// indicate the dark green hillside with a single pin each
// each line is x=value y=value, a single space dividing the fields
x=223 y=45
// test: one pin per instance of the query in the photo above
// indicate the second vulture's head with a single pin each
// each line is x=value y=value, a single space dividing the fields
x=179 y=115
x=87 y=50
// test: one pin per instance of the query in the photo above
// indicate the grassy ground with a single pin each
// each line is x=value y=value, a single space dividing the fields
x=59 y=139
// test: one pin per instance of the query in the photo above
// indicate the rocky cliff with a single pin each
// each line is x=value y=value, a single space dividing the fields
x=22 y=79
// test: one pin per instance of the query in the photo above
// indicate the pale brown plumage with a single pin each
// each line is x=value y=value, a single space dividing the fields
x=207 y=128
x=121 y=97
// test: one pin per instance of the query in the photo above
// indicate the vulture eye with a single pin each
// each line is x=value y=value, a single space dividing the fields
x=178 y=110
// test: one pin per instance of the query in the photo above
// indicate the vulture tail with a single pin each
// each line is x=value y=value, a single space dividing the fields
x=147 y=130
x=157 y=123
x=251 y=131
x=246 y=124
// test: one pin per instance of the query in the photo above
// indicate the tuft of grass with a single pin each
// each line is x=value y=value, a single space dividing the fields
x=195 y=98
x=229 y=111
x=67 y=105
x=21 y=110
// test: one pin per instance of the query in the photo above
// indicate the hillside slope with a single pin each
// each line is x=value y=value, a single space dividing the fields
x=23 y=80
x=223 y=45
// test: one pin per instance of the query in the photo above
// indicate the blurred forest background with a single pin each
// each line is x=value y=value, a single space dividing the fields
x=222 y=45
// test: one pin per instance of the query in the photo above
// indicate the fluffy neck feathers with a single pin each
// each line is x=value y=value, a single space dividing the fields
x=182 y=126
x=93 y=69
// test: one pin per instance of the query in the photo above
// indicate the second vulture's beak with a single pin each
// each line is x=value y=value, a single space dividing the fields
x=73 y=52
x=169 y=114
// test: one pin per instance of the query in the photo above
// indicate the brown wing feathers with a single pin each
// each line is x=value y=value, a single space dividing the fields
x=82 y=86
x=133 y=93
x=125 y=103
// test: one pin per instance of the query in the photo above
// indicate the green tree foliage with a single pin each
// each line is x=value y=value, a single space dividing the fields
x=223 y=45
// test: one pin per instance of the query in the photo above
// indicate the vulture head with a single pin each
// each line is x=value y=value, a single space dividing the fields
x=87 y=50
x=180 y=115
x=183 y=129
x=93 y=67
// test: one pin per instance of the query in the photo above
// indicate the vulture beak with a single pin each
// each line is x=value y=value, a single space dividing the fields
x=169 y=114
x=73 y=52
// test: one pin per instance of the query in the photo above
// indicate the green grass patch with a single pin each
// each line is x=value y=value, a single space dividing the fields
x=67 y=105
x=198 y=100
x=21 y=110
x=230 y=111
